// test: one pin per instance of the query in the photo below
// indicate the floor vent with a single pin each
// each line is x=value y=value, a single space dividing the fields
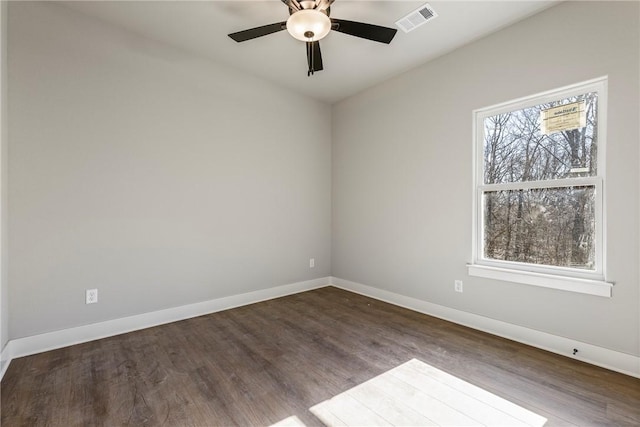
x=418 y=17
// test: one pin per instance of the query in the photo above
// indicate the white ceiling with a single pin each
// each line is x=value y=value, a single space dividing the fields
x=351 y=64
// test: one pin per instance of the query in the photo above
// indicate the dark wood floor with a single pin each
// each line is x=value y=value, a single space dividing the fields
x=262 y=363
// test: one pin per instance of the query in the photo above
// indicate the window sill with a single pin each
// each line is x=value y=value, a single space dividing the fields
x=571 y=284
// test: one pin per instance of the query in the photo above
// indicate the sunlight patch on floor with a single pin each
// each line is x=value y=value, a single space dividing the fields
x=418 y=394
x=292 y=421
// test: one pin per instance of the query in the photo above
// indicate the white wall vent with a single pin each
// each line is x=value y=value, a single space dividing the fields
x=416 y=18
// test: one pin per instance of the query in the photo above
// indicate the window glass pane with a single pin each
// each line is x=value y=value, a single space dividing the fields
x=518 y=147
x=548 y=226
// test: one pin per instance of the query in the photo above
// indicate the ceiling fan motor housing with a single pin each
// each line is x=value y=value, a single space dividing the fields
x=307 y=4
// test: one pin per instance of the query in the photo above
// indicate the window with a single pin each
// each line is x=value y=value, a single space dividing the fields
x=539 y=190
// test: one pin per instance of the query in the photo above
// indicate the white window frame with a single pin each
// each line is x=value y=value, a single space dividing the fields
x=591 y=282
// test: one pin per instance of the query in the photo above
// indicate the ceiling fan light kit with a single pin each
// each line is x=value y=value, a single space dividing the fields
x=310 y=21
x=308 y=25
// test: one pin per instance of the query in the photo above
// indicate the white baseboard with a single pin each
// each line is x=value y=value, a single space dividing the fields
x=599 y=356
x=51 y=340
x=5 y=359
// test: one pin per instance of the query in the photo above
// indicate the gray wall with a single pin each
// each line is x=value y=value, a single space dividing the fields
x=4 y=141
x=402 y=163
x=159 y=178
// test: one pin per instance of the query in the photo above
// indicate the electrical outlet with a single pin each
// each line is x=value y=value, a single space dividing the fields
x=312 y=262
x=458 y=285
x=91 y=296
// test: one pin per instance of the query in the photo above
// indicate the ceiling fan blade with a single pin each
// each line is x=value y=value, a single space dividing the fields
x=253 y=33
x=314 y=57
x=365 y=31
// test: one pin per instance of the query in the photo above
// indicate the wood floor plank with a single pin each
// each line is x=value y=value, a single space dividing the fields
x=391 y=409
x=350 y=412
x=424 y=404
x=273 y=361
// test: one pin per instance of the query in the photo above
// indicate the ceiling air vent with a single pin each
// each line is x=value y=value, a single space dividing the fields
x=416 y=18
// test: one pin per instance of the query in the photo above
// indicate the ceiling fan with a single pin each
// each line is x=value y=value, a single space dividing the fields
x=309 y=22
